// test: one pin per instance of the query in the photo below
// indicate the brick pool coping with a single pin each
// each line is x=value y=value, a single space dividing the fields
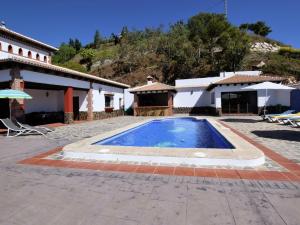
x=293 y=173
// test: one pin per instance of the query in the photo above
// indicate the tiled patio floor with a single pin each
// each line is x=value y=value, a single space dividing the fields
x=36 y=195
x=277 y=166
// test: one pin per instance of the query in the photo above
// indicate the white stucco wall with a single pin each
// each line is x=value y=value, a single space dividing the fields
x=274 y=97
x=196 y=81
x=37 y=77
x=40 y=102
x=98 y=96
x=99 y=90
x=4 y=75
x=128 y=99
x=82 y=94
x=16 y=45
x=191 y=97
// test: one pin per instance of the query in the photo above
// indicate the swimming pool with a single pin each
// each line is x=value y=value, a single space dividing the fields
x=174 y=132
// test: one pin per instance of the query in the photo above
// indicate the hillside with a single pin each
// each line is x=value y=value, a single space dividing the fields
x=204 y=46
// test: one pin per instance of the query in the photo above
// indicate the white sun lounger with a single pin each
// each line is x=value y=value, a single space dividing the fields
x=11 y=127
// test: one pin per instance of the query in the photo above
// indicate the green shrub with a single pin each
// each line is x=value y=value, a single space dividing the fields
x=290 y=52
x=74 y=66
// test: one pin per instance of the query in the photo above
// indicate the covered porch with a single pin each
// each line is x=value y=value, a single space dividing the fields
x=153 y=104
x=153 y=99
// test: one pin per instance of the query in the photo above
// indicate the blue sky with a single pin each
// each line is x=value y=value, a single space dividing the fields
x=56 y=21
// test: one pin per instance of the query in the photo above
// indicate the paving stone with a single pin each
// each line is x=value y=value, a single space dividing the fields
x=38 y=195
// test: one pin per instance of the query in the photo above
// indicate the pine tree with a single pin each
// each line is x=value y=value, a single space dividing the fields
x=97 y=39
x=77 y=45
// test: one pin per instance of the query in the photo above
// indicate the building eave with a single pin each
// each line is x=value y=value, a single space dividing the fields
x=7 y=33
x=56 y=70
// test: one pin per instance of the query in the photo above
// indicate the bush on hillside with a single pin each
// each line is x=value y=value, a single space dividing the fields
x=65 y=53
x=282 y=66
x=290 y=52
x=74 y=66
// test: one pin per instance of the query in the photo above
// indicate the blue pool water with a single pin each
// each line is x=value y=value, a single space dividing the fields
x=175 y=132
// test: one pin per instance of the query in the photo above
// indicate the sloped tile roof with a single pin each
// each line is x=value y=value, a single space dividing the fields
x=244 y=79
x=39 y=64
x=156 y=86
x=239 y=79
x=8 y=32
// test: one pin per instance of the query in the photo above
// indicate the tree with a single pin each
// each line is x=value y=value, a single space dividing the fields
x=65 y=53
x=116 y=39
x=71 y=43
x=237 y=46
x=178 y=51
x=77 y=45
x=97 y=39
x=208 y=31
x=87 y=56
x=124 y=32
x=259 y=28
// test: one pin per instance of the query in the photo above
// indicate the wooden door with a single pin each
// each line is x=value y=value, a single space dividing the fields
x=76 y=108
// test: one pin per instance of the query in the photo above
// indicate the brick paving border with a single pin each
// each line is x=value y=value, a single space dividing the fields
x=293 y=173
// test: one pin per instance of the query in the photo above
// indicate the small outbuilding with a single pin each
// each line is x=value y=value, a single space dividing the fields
x=153 y=99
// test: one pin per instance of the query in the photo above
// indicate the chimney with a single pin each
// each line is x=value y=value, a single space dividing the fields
x=149 y=79
x=2 y=24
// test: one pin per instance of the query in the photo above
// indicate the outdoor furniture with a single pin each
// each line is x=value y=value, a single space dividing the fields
x=268 y=86
x=282 y=117
x=265 y=117
x=13 y=127
x=294 y=121
x=13 y=94
x=27 y=126
x=285 y=120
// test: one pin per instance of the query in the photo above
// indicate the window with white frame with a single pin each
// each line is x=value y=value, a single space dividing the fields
x=109 y=101
x=212 y=98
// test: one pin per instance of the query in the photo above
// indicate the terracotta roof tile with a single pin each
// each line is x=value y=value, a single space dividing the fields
x=153 y=87
x=39 y=64
x=28 y=39
x=239 y=79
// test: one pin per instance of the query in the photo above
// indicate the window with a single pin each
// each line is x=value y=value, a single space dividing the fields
x=45 y=58
x=10 y=49
x=37 y=57
x=29 y=54
x=109 y=101
x=20 y=52
x=212 y=98
x=0 y=46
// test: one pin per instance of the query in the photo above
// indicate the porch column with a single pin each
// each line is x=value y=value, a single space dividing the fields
x=135 y=104
x=170 y=103
x=68 y=105
x=17 y=105
x=90 y=112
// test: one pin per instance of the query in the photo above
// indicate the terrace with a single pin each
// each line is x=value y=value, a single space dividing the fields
x=81 y=192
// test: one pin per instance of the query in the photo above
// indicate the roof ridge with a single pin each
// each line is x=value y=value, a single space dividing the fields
x=28 y=38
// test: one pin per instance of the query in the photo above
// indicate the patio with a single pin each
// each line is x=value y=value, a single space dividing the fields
x=53 y=195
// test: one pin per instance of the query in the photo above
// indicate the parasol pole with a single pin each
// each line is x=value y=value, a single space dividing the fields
x=265 y=108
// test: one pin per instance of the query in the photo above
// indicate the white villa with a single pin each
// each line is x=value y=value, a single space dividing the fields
x=64 y=94
x=25 y=64
x=211 y=95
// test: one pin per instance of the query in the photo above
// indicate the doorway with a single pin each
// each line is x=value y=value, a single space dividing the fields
x=4 y=110
x=239 y=102
x=76 y=108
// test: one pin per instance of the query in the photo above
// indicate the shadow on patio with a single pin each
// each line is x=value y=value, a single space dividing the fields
x=233 y=120
x=286 y=135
